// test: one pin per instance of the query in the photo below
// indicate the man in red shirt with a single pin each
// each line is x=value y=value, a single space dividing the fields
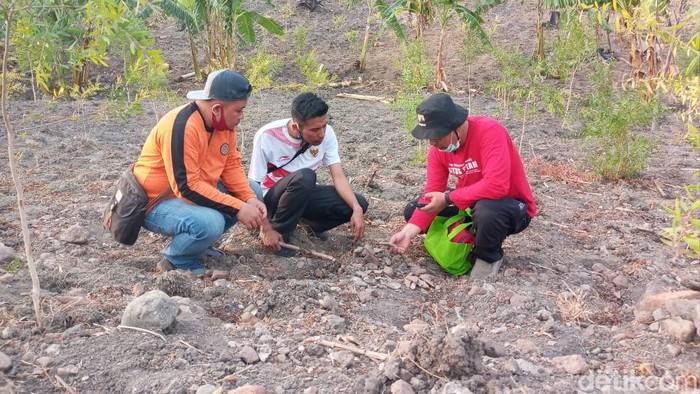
x=491 y=180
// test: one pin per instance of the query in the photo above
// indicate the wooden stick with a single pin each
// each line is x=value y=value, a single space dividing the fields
x=312 y=252
x=381 y=99
x=143 y=330
x=371 y=177
x=65 y=385
x=185 y=76
x=354 y=349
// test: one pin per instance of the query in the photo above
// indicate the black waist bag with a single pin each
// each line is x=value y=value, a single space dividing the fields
x=126 y=210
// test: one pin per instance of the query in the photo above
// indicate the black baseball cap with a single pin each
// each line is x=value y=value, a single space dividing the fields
x=438 y=115
x=224 y=85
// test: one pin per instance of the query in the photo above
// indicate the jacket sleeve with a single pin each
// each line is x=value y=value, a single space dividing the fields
x=495 y=170
x=437 y=175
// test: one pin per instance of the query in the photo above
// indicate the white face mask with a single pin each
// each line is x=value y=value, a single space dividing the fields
x=452 y=147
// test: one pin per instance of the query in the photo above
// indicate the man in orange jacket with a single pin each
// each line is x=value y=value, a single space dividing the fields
x=192 y=151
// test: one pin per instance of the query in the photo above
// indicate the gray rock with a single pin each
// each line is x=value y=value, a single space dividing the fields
x=154 y=310
x=660 y=314
x=455 y=388
x=328 y=303
x=335 y=322
x=9 y=332
x=206 y=389
x=68 y=370
x=343 y=358
x=512 y=367
x=682 y=308
x=53 y=350
x=573 y=364
x=401 y=387
x=45 y=361
x=5 y=362
x=681 y=329
x=621 y=282
x=76 y=234
x=249 y=389
x=6 y=253
x=673 y=350
x=249 y=355
x=520 y=301
x=696 y=319
x=543 y=315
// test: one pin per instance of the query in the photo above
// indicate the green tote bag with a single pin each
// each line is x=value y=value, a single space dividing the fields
x=443 y=245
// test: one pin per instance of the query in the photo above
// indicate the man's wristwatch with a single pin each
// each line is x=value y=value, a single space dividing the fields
x=447 y=199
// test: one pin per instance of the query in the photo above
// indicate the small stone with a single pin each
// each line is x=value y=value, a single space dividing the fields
x=696 y=318
x=69 y=370
x=520 y=301
x=53 y=350
x=654 y=327
x=543 y=315
x=5 y=362
x=206 y=389
x=573 y=364
x=621 y=282
x=344 y=359
x=364 y=295
x=328 y=303
x=525 y=345
x=76 y=234
x=45 y=361
x=9 y=332
x=219 y=274
x=335 y=322
x=512 y=367
x=681 y=329
x=476 y=290
x=248 y=355
x=401 y=387
x=163 y=266
x=660 y=314
x=673 y=350
x=154 y=310
x=6 y=253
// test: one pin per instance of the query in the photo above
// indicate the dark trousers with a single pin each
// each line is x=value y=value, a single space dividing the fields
x=493 y=220
x=297 y=196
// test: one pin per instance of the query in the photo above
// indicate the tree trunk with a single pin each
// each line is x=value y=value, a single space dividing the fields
x=195 y=57
x=540 y=31
x=36 y=288
x=365 y=44
x=440 y=71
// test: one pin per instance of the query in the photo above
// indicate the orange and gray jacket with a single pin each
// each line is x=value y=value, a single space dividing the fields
x=182 y=153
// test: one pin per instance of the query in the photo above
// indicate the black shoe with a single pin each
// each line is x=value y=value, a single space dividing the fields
x=322 y=235
x=286 y=252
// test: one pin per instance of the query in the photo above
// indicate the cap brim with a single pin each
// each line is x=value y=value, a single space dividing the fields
x=197 y=95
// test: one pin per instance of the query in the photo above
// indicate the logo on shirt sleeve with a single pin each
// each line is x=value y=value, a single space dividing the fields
x=224 y=149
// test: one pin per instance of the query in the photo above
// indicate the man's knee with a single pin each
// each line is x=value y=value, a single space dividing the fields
x=207 y=226
x=363 y=202
x=304 y=179
x=255 y=186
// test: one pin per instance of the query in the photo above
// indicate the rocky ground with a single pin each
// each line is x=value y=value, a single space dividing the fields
x=588 y=298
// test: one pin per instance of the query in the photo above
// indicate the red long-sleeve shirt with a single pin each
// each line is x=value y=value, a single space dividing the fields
x=487 y=166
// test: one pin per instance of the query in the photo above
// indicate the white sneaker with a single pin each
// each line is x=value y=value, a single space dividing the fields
x=482 y=270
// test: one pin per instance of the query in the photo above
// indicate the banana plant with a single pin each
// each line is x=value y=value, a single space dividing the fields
x=446 y=10
x=194 y=16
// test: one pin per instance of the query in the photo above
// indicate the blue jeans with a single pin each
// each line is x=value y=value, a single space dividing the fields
x=193 y=227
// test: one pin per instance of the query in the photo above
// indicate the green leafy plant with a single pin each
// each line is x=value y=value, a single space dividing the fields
x=610 y=123
x=352 y=37
x=416 y=72
x=684 y=233
x=514 y=81
x=14 y=266
x=262 y=69
x=310 y=68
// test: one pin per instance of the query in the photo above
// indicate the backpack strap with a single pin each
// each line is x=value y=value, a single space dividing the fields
x=304 y=146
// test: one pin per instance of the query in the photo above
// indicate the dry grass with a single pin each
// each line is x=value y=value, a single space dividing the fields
x=573 y=306
x=560 y=172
